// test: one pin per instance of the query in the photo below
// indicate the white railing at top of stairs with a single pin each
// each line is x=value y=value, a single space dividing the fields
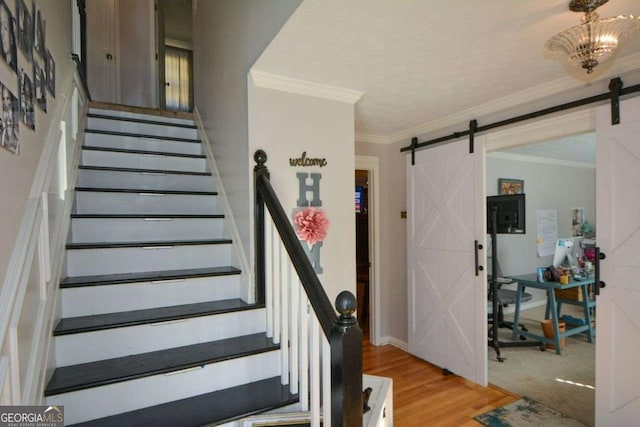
x=29 y=292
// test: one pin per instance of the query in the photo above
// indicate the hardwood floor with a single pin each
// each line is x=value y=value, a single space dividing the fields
x=423 y=396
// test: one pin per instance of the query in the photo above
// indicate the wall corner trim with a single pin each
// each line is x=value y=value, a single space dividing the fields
x=303 y=87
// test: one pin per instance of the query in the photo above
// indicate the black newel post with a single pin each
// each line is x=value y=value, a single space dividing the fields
x=346 y=365
x=260 y=171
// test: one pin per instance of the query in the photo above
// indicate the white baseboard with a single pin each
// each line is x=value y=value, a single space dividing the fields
x=402 y=345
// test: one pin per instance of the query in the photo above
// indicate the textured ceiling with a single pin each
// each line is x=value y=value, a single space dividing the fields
x=578 y=148
x=419 y=62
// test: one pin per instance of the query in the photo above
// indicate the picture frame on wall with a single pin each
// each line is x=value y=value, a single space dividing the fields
x=8 y=49
x=10 y=124
x=510 y=186
x=25 y=30
x=40 y=85
x=50 y=66
x=39 y=38
x=27 y=112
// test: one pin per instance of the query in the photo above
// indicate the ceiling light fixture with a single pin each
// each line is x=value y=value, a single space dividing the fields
x=596 y=39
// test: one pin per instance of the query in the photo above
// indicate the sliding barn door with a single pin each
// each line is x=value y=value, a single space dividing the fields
x=447 y=300
x=618 y=235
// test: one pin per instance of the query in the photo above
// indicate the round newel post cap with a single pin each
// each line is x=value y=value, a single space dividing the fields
x=260 y=157
x=346 y=304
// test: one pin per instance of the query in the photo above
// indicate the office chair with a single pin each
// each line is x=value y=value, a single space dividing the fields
x=504 y=298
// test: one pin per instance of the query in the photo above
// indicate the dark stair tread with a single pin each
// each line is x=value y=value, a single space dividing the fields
x=103 y=372
x=154 y=243
x=140 y=190
x=141 y=121
x=141 y=170
x=141 y=135
x=151 y=152
x=146 y=276
x=141 y=216
x=208 y=409
x=99 y=322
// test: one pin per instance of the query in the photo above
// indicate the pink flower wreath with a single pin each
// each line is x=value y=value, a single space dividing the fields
x=312 y=225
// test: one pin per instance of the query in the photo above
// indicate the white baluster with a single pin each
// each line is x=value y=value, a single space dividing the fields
x=268 y=266
x=304 y=351
x=315 y=372
x=294 y=322
x=277 y=287
x=326 y=381
x=284 y=342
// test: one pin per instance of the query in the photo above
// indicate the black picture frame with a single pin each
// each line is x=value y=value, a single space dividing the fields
x=25 y=30
x=40 y=86
x=27 y=112
x=10 y=124
x=8 y=47
x=39 y=36
x=50 y=69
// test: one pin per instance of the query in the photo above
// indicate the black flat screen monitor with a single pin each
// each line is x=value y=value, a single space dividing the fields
x=510 y=213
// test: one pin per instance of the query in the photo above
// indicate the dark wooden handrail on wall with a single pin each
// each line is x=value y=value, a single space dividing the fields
x=342 y=332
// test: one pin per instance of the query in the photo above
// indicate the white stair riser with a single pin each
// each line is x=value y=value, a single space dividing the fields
x=88 y=202
x=126 y=114
x=86 y=230
x=86 y=262
x=119 y=342
x=144 y=180
x=141 y=143
x=141 y=128
x=142 y=161
x=126 y=396
x=88 y=300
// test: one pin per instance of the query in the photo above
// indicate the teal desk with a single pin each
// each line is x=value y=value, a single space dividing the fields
x=553 y=309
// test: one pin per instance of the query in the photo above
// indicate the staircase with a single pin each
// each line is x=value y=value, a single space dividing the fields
x=157 y=325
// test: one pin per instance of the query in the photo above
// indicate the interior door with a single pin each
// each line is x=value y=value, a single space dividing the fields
x=618 y=235
x=447 y=300
x=102 y=41
x=160 y=43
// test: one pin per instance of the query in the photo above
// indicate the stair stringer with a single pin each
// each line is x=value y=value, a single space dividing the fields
x=238 y=254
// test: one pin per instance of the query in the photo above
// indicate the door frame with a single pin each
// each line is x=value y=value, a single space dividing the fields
x=372 y=165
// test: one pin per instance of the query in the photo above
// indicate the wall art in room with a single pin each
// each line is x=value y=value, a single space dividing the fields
x=40 y=84
x=9 y=126
x=25 y=29
x=39 y=36
x=8 y=49
x=26 y=100
x=51 y=73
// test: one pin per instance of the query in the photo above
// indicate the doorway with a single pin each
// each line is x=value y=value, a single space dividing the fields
x=178 y=77
x=559 y=175
x=363 y=263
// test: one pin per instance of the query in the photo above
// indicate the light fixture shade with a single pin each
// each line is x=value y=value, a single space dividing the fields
x=594 y=41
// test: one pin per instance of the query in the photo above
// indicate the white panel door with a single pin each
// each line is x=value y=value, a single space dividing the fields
x=447 y=301
x=102 y=42
x=618 y=235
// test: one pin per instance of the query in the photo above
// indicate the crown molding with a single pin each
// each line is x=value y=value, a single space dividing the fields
x=303 y=87
x=621 y=66
x=544 y=160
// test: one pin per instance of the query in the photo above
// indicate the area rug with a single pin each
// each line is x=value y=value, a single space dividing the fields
x=526 y=412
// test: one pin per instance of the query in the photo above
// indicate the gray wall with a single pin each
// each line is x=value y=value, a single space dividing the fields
x=17 y=171
x=392 y=239
x=177 y=20
x=547 y=186
x=228 y=37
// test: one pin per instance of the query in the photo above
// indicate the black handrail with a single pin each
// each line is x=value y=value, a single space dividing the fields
x=342 y=332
